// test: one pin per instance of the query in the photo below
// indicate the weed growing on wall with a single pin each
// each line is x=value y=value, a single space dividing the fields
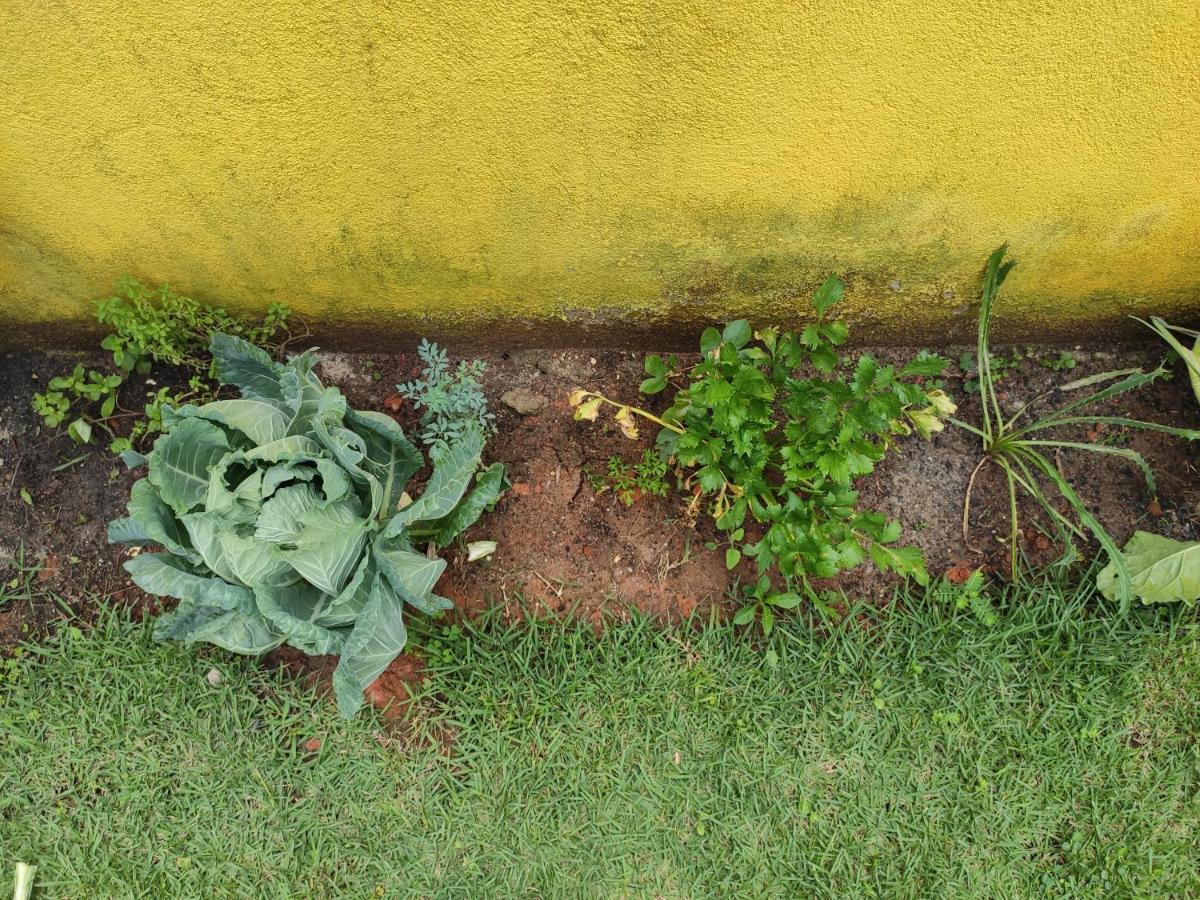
x=148 y=327
x=770 y=431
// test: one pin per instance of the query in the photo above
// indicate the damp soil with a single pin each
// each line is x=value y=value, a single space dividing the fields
x=565 y=548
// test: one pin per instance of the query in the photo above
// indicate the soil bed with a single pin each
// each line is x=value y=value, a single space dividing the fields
x=563 y=548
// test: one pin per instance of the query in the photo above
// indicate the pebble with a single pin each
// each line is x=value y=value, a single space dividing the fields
x=524 y=401
x=213 y=677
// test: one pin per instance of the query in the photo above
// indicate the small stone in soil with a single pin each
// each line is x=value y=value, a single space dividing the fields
x=213 y=677
x=524 y=401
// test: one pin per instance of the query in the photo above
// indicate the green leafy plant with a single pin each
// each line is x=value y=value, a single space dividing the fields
x=998 y=366
x=284 y=519
x=148 y=326
x=1160 y=570
x=646 y=476
x=761 y=603
x=772 y=453
x=452 y=400
x=1062 y=362
x=1190 y=357
x=970 y=595
x=1022 y=450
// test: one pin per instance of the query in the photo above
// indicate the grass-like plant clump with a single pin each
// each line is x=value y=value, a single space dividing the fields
x=1052 y=753
x=1024 y=446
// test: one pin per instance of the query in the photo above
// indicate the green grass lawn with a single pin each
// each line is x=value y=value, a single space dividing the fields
x=917 y=754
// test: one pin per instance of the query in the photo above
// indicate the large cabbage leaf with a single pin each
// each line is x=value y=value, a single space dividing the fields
x=282 y=518
x=1161 y=570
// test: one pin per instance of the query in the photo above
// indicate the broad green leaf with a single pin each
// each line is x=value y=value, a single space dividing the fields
x=253 y=562
x=177 y=624
x=828 y=294
x=165 y=575
x=240 y=502
x=302 y=394
x=737 y=333
x=413 y=577
x=284 y=449
x=908 y=562
x=203 y=529
x=245 y=366
x=346 y=606
x=157 y=521
x=390 y=456
x=1161 y=570
x=262 y=422
x=280 y=519
x=238 y=631
x=489 y=484
x=180 y=463
x=330 y=545
x=127 y=531
x=451 y=474
x=378 y=637
x=293 y=610
x=286 y=473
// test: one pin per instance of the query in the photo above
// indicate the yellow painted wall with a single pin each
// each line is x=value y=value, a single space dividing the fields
x=435 y=164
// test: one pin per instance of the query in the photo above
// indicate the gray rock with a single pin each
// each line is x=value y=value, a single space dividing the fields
x=524 y=401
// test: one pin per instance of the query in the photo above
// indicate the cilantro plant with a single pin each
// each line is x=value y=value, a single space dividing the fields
x=648 y=476
x=148 y=326
x=452 y=400
x=283 y=518
x=771 y=430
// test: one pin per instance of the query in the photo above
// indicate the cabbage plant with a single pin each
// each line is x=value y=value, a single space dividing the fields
x=283 y=519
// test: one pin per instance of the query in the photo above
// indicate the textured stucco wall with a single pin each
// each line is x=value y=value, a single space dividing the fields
x=448 y=164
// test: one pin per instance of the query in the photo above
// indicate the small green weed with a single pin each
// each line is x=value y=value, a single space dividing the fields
x=148 y=326
x=968 y=595
x=1000 y=366
x=646 y=476
x=452 y=400
x=759 y=442
x=1064 y=361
